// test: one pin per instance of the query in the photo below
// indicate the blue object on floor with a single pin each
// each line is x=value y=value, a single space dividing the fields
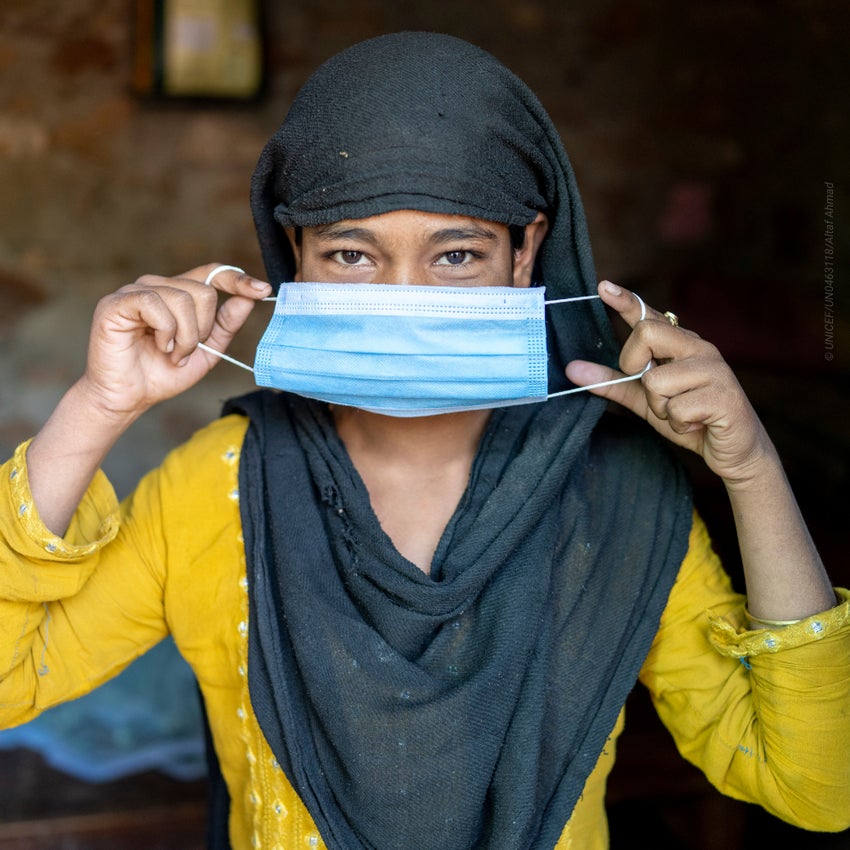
x=147 y=718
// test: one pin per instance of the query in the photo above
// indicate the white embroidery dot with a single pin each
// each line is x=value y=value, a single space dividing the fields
x=50 y=547
x=243 y=628
x=770 y=642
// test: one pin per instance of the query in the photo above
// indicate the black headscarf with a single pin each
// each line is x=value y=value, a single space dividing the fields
x=467 y=707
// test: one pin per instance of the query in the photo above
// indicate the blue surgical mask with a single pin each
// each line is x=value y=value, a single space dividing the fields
x=409 y=350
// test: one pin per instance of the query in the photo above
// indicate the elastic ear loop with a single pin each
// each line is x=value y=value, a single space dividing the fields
x=248 y=368
x=601 y=383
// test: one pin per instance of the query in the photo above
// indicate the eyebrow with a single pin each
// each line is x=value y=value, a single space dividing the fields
x=340 y=231
x=453 y=234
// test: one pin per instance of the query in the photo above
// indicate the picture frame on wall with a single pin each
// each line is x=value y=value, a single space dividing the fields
x=198 y=49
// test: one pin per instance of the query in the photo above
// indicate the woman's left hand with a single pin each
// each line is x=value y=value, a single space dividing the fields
x=689 y=395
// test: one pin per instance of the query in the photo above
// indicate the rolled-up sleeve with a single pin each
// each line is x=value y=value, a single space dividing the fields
x=37 y=565
x=765 y=714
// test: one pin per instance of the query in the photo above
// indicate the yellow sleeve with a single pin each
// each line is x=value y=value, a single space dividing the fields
x=764 y=714
x=75 y=611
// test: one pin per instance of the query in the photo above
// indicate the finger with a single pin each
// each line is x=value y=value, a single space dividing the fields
x=668 y=381
x=628 y=304
x=632 y=307
x=229 y=279
x=683 y=375
x=120 y=318
x=710 y=395
x=659 y=342
x=690 y=411
x=635 y=312
x=192 y=305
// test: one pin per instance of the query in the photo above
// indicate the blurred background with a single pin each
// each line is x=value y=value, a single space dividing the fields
x=710 y=143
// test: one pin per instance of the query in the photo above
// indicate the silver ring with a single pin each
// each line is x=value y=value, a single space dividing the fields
x=218 y=269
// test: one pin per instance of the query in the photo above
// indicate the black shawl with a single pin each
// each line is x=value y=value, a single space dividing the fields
x=464 y=708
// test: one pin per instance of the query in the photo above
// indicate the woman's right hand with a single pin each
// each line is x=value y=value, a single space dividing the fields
x=143 y=346
x=143 y=349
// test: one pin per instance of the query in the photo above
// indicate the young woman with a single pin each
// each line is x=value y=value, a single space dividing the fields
x=418 y=581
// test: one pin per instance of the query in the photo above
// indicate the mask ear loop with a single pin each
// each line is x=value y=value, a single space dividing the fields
x=226 y=357
x=602 y=383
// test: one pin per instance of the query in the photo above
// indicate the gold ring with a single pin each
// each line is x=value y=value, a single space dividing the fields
x=672 y=318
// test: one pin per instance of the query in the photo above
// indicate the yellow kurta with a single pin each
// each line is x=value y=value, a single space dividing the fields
x=764 y=714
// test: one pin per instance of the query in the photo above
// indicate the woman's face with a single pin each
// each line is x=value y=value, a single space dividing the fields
x=411 y=248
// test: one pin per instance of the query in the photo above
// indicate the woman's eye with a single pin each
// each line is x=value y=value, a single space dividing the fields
x=349 y=258
x=454 y=258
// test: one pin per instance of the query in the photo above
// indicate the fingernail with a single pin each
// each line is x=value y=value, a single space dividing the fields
x=612 y=287
x=259 y=285
x=169 y=346
x=184 y=361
